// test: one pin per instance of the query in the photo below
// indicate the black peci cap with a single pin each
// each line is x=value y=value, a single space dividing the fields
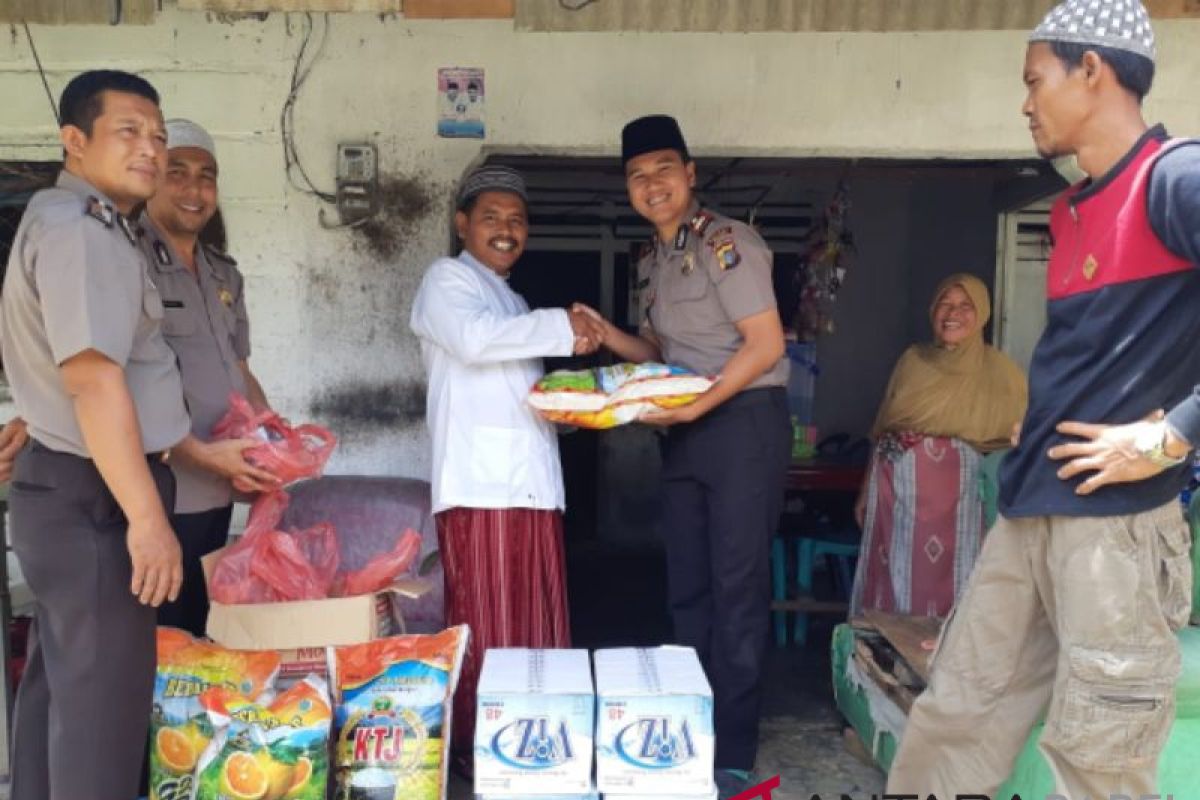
x=650 y=133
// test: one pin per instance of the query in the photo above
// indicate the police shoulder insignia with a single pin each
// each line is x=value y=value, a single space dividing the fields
x=226 y=297
x=131 y=231
x=644 y=250
x=642 y=284
x=98 y=209
x=1089 y=267
x=161 y=253
x=701 y=221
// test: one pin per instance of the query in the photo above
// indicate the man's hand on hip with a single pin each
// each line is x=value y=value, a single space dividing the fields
x=1110 y=451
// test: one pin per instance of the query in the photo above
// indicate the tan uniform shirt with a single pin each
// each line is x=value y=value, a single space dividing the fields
x=205 y=323
x=691 y=292
x=77 y=281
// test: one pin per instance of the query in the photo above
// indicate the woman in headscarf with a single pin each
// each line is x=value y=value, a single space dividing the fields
x=949 y=402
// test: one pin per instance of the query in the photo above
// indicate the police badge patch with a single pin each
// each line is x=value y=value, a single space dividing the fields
x=727 y=256
x=723 y=247
x=226 y=297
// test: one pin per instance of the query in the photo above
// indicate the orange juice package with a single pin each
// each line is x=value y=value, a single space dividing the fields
x=179 y=728
x=267 y=751
x=392 y=700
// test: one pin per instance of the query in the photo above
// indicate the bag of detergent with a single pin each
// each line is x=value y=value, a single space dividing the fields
x=392 y=709
x=179 y=728
x=609 y=396
x=278 y=750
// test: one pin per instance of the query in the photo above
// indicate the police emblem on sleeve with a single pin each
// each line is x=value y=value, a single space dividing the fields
x=226 y=297
x=724 y=249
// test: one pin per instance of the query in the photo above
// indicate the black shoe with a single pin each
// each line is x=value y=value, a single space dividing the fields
x=732 y=782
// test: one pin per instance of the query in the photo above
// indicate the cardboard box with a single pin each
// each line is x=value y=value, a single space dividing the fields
x=307 y=623
x=654 y=733
x=536 y=712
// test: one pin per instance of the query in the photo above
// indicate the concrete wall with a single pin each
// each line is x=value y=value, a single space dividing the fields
x=330 y=312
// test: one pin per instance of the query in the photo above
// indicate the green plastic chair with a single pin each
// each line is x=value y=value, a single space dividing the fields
x=989 y=486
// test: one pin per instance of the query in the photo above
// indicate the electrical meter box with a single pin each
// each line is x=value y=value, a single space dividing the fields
x=357 y=180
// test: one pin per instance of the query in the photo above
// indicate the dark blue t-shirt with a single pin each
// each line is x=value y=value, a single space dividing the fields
x=1116 y=354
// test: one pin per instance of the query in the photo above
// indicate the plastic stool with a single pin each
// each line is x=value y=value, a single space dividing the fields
x=809 y=549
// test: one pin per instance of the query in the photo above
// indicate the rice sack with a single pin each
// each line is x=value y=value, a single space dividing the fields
x=392 y=709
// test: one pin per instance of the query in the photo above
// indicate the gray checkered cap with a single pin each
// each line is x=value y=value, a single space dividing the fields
x=492 y=179
x=1119 y=24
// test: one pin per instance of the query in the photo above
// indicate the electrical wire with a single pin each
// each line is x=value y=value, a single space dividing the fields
x=287 y=126
x=42 y=72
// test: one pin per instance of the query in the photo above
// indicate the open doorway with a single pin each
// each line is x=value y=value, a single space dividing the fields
x=913 y=222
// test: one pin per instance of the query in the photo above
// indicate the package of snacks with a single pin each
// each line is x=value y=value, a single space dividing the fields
x=273 y=751
x=609 y=396
x=392 y=709
x=179 y=727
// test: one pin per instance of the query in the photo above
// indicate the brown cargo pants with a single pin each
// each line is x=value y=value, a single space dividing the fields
x=1071 y=617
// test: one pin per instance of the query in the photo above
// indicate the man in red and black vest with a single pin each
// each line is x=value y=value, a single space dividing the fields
x=1072 y=610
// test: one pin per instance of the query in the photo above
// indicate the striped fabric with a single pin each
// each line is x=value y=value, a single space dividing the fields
x=923 y=526
x=506 y=578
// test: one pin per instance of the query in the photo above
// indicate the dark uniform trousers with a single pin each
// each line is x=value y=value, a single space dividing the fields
x=199 y=534
x=83 y=706
x=723 y=480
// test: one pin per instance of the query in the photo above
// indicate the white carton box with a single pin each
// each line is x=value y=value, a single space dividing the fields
x=534 y=722
x=654 y=733
x=713 y=795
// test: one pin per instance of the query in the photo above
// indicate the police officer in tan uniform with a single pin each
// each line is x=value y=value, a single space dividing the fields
x=205 y=324
x=80 y=328
x=707 y=303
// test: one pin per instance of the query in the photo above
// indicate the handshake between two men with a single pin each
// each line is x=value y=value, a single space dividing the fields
x=590 y=328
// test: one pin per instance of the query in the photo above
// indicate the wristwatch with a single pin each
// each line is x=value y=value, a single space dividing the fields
x=1151 y=445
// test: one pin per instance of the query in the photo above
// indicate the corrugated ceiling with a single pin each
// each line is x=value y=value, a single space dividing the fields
x=780 y=15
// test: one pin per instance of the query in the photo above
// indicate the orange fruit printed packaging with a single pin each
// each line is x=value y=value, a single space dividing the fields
x=392 y=709
x=180 y=730
x=277 y=750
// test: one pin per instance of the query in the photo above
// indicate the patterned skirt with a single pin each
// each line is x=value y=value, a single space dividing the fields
x=923 y=526
x=506 y=578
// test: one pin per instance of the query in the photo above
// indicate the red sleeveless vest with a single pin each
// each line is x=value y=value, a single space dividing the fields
x=1106 y=238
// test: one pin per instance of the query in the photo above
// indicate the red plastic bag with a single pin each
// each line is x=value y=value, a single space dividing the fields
x=288 y=453
x=381 y=570
x=232 y=579
x=280 y=564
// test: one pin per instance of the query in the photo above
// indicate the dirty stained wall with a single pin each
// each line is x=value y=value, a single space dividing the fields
x=330 y=308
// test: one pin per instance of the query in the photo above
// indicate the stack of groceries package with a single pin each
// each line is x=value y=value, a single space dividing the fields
x=224 y=727
x=606 y=397
x=642 y=731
